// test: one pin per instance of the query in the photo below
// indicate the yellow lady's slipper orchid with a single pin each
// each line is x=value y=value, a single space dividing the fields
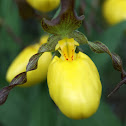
x=21 y=61
x=74 y=82
x=44 y=5
x=114 y=11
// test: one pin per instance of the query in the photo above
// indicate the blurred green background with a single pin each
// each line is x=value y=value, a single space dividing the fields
x=33 y=106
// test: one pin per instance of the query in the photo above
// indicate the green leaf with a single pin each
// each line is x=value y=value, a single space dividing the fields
x=16 y=110
x=50 y=45
x=79 y=37
x=33 y=62
x=117 y=62
x=66 y=22
x=111 y=38
x=8 y=47
x=98 y=47
x=43 y=110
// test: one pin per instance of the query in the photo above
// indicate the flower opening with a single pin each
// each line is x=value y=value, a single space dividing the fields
x=67 y=48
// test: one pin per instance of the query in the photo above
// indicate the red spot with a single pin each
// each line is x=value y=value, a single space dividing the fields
x=67 y=59
x=72 y=57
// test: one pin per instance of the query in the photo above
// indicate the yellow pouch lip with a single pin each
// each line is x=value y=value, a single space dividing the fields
x=64 y=73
